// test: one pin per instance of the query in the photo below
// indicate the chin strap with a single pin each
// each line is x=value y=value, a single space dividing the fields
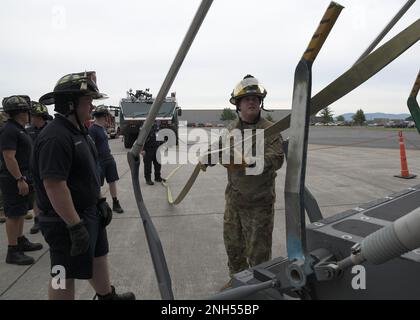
x=82 y=128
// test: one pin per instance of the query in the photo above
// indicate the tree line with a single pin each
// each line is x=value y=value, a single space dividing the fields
x=326 y=115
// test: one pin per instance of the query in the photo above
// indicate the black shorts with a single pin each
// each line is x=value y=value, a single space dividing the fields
x=57 y=236
x=15 y=205
x=108 y=171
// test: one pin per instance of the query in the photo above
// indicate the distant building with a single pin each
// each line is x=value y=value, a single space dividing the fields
x=207 y=116
x=380 y=120
x=315 y=119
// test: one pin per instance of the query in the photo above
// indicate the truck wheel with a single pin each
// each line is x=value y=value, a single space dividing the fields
x=127 y=141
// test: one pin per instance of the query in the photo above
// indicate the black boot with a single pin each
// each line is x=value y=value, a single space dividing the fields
x=149 y=182
x=25 y=245
x=35 y=227
x=160 y=179
x=116 y=206
x=15 y=256
x=115 y=296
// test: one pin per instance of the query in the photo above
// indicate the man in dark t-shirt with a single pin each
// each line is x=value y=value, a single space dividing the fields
x=149 y=153
x=107 y=164
x=15 y=180
x=72 y=215
x=39 y=117
x=65 y=153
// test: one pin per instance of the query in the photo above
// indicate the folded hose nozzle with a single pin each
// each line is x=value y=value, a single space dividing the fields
x=387 y=243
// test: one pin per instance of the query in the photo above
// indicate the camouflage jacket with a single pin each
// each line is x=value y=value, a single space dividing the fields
x=247 y=189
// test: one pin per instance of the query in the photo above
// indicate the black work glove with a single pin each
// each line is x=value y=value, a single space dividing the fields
x=79 y=237
x=105 y=211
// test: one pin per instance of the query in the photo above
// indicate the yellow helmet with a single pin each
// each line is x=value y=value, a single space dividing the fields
x=249 y=86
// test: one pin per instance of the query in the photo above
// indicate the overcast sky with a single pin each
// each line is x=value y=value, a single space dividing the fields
x=131 y=44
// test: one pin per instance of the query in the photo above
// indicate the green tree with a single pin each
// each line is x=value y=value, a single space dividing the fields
x=326 y=115
x=410 y=118
x=359 y=117
x=269 y=117
x=340 y=118
x=227 y=114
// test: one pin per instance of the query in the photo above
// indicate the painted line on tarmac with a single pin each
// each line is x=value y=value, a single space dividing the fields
x=23 y=273
x=221 y=213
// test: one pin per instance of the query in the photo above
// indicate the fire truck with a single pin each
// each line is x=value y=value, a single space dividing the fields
x=135 y=108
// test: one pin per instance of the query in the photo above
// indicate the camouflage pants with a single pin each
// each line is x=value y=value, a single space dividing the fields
x=247 y=233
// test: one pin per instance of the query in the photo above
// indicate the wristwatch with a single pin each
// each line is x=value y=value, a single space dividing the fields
x=21 y=178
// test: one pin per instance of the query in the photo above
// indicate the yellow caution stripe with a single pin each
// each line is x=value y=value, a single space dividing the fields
x=321 y=34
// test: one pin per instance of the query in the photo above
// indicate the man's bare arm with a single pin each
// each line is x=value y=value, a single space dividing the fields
x=11 y=163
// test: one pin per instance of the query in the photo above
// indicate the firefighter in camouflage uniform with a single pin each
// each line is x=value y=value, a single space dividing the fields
x=249 y=211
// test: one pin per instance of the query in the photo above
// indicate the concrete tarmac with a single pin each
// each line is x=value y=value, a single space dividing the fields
x=191 y=233
x=366 y=137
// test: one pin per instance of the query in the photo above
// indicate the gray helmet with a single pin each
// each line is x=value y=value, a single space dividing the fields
x=16 y=103
x=100 y=111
